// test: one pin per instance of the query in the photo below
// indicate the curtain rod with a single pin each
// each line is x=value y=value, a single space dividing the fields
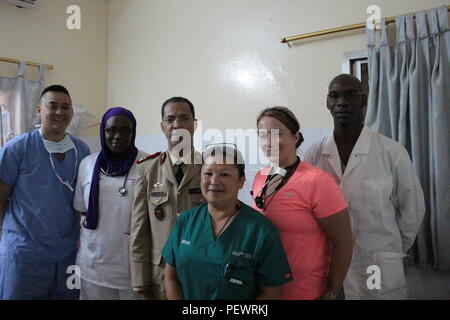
x=28 y=63
x=361 y=25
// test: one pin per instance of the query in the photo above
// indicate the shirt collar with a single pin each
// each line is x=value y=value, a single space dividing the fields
x=361 y=146
x=176 y=159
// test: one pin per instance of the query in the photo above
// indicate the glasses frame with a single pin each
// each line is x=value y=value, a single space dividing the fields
x=223 y=144
x=348 y=95
x=179 y=118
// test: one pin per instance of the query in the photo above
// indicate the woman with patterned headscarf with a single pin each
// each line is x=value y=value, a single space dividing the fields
x=104 y=197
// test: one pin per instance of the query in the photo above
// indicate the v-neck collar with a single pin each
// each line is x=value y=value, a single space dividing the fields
x=210 y=227
x=299 y=167
x=361 y=148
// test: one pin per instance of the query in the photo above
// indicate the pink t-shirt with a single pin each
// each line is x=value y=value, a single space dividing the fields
x=309 y=194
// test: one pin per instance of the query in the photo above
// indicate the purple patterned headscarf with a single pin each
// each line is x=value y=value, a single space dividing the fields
x=114 y=164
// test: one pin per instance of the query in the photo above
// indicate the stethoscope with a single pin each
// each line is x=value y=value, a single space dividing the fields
x=66 y=183
x=260 y=199
x=122 y=190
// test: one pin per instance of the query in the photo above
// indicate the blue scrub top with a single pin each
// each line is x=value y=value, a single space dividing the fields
x=245 y=256
x=40 y=224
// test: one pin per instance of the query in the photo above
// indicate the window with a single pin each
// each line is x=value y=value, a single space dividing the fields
x=356 y=64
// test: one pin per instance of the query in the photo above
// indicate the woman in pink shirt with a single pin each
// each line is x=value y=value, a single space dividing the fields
x=307 y=207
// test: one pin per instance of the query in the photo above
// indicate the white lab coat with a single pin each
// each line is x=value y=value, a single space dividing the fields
x=386 y=208
x=104 y=253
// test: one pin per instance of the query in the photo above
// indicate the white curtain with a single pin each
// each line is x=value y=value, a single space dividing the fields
x=18 y=98
x=409 y=101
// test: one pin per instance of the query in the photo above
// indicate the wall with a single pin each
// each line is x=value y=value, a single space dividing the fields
x=227 y=57
x=79 y=56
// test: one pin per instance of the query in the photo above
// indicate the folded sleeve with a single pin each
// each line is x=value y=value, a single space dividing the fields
x=9 y=164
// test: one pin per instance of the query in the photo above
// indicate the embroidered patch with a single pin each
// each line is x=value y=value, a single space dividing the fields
x=241 y=254
x=158 y=194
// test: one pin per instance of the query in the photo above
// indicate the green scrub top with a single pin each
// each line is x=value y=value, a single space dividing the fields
x=247 y=255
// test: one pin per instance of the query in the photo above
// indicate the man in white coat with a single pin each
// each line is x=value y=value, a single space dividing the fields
x=384 y=195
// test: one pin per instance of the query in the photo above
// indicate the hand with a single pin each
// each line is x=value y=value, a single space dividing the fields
x=328 y=295
x=82 y=219
x=146 y=295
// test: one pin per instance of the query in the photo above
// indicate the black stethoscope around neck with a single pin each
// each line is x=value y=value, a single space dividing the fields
x=261 y=197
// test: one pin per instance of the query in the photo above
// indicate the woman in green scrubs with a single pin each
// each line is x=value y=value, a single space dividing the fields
x=224 y=249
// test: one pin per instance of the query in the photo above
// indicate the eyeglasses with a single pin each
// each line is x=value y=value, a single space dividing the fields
x=347 y=95
x=220 y=145
x=226 y=148
x=114 y=131
x=184 y=118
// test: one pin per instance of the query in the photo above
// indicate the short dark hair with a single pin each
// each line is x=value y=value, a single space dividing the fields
x=347 y=78
x=178 y=100
x=55 y=88
x=286 y=117
x=227 y=151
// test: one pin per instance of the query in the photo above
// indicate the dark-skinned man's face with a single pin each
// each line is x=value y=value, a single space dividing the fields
x=346 y=101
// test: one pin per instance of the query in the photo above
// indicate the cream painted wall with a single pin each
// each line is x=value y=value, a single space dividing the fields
x=226 y=56
x=223 y=55
x=79 y=56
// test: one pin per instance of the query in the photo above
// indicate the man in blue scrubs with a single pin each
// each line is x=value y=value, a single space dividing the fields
x=40 y=229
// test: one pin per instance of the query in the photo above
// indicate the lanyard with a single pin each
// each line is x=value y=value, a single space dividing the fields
x=66 y=183
x=287 y=172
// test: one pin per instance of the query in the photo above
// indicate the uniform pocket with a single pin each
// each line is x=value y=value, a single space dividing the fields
x=196 y=199
x=87 y=253
x=88 y=242
x=391 y=268
x=159 y=205
x=240 y=278
x=377 y=192
x=241 y=269
x=158 y=197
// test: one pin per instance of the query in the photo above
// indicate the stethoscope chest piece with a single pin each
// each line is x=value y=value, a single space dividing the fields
x=123 y=192
x=259 y=202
